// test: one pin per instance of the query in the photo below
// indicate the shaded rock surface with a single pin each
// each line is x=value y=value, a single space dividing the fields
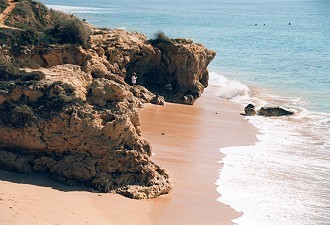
x=77 y=118
x=266 y=111
x=183 y=65
x=250 y=110
x=274 y=111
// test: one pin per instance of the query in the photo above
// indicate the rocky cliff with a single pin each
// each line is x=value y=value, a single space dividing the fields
x=70 y=109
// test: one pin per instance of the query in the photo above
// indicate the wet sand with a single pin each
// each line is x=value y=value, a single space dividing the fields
x=185 y=141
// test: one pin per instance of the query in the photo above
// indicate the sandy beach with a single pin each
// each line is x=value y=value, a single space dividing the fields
x=185 y=141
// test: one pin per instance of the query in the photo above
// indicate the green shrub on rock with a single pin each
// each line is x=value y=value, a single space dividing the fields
x=10 y=71
x=42 y=26
x=68 y=29
x=3 y=5
x=160 y=38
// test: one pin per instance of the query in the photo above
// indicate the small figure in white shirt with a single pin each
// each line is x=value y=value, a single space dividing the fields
x=134 y=77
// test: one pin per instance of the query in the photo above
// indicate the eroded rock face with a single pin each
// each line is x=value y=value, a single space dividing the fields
x=52 y=55
x=181 y=63
x=50 y=129
x=184 y=67
x=79 y=120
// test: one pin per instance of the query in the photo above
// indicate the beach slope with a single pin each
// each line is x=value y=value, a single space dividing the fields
x=185 y=140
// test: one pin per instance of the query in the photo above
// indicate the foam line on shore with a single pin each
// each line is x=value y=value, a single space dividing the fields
x=188 y=150
x=285 y=172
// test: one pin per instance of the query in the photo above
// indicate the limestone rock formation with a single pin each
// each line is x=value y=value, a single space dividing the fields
x=184 y=66
x=46 y=127
x=67 y=106
x=181 y=63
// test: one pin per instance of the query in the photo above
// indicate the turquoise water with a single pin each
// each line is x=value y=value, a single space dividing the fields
x=289 y=60
x=284 y=178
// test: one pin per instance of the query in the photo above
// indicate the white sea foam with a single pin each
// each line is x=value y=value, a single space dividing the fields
x=284 y=178
x=234 y=90
x=229 y=89
x=240 y=93
x=121 y=28
x=80 y=9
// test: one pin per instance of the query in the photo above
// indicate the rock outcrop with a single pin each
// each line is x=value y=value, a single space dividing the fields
x=46 y=126
x=250 y=110
x=274 y=111
x=266 y=111
x=70 y=110
x=180 y=63
x=183 y=65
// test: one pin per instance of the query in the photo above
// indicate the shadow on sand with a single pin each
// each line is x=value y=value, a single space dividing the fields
x=38 y=179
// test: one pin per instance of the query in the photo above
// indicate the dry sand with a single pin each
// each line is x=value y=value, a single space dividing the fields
x=185 y=142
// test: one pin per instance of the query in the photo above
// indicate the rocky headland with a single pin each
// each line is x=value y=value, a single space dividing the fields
x=67 y=106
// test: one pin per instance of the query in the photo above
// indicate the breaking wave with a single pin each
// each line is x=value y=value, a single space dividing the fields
x=284 y=177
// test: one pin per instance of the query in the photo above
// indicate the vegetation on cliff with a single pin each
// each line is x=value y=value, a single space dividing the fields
x=67 y=106
x=39 y=25
x=160 y=37
x=3 y=5
x=10 y=71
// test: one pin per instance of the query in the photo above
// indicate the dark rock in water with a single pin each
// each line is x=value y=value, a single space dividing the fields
x=250 y=110
x=274 y=111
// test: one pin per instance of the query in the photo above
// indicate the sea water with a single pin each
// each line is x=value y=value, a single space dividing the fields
x=284 y=177
x=268 y=53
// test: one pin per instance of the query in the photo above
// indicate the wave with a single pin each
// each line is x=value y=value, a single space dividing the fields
x=229 y=89
x=80 y=9
x=238 y=92
x=235 y=90
x=287 y=172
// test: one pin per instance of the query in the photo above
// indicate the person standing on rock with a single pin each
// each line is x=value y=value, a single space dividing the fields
x=134 y=77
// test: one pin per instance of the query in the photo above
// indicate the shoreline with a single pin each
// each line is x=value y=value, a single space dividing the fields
x=211 y=123
x=192 y=160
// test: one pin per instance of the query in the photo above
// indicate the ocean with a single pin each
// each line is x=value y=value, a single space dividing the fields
x=269 y=53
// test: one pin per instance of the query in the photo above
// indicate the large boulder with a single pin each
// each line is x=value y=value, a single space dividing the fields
x=103 y=90
x=274 y=111
x=250 y=110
